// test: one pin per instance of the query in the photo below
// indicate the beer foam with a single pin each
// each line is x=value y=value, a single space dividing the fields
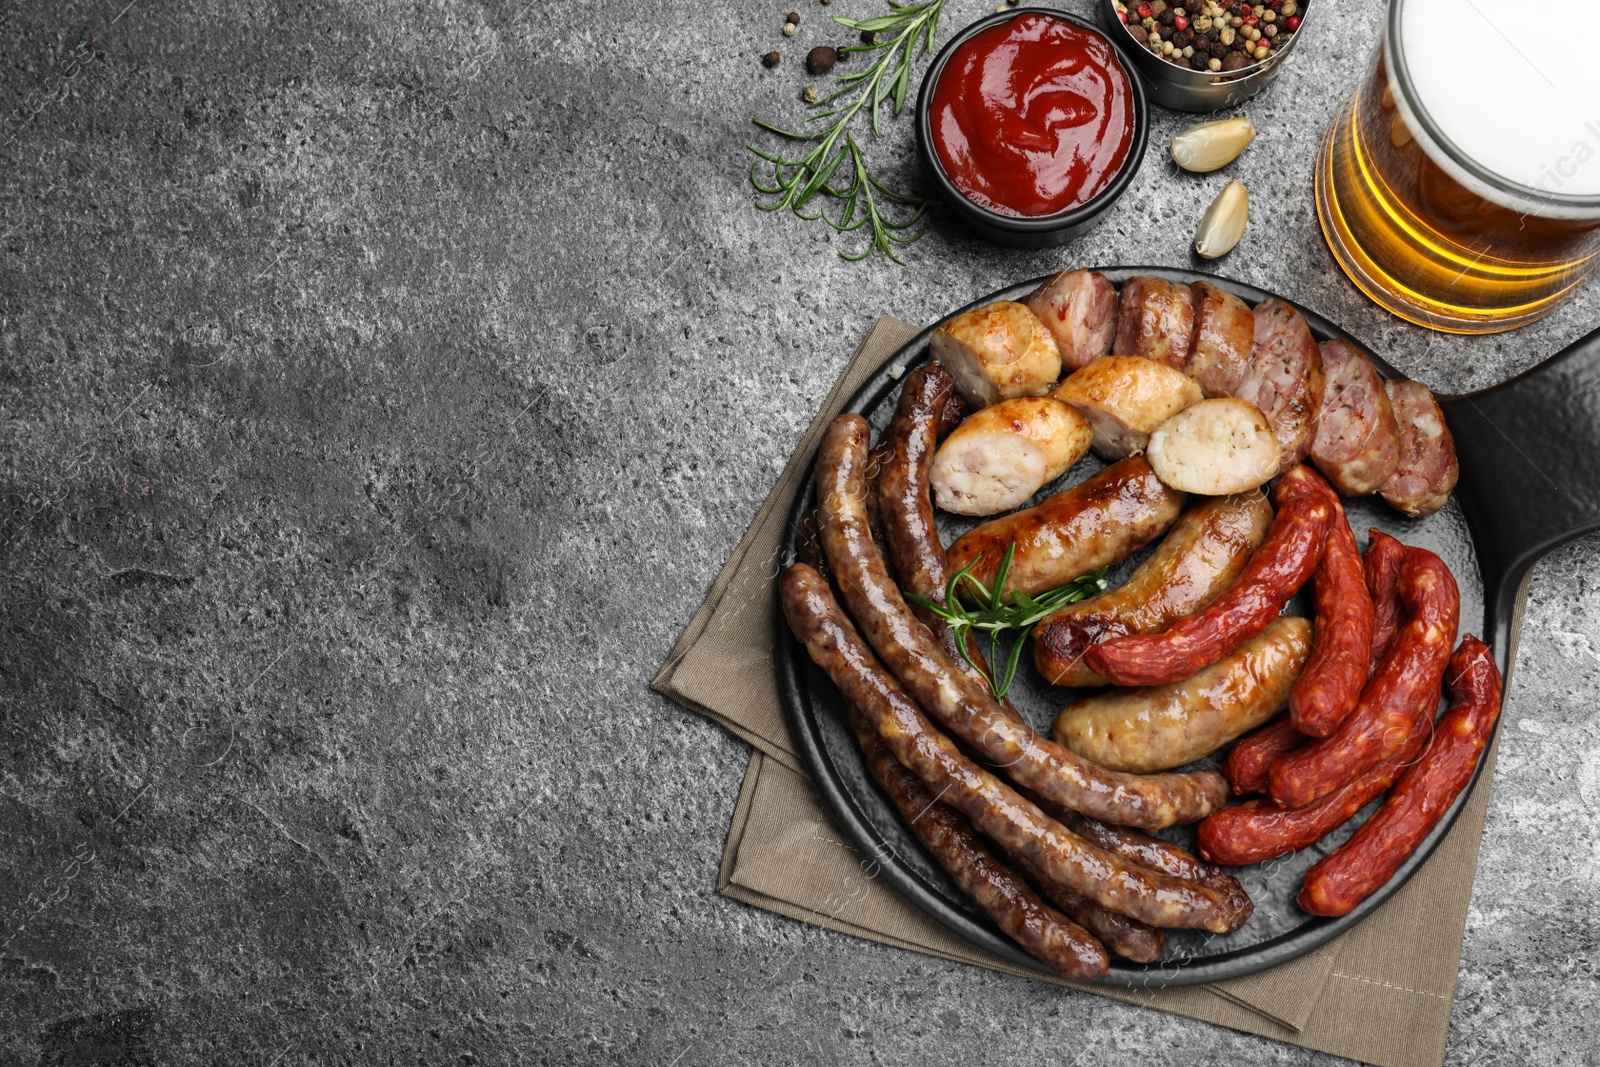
x=1521 y=103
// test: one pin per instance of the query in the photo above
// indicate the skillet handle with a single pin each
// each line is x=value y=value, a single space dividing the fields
x=1532 y=447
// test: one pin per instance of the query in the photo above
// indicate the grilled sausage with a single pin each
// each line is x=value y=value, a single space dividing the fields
x=1003 y=454
x=1427 y=470
x=1205 y=550
x=1382 y=566
x=960 y=702
x=1128 y=938
x=1155 y=321
x=997 y=352
x=1156 y=729
x=1357 y=441
x=1327 y=691
x=1155 y=854
x=1101 y=520
x=1125 y=398
x=1214 y=447
x=1224 y=335
x=998 y=811
x=1079 y=308
x=1278 y=568
x=1251 y=758
x=1285 y=378
x=1053 y=939
x=1350 y=873
x=1405 y=690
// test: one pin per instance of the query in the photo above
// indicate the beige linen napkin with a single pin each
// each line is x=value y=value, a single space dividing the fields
x=1380 y=993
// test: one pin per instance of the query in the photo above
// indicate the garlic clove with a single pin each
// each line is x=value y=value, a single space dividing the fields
x=1223 y=223
x=1212 y=145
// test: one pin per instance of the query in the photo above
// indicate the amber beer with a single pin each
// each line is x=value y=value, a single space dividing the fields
x=1460 y=186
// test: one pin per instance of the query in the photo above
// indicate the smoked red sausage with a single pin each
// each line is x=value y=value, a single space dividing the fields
x=1404 y=691
x=1276 y=570
x=1382 y=566
x=1341 y=647
x=1350 y=873
x=1249 y=761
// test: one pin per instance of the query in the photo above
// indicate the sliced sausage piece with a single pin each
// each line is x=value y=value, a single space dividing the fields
x=997 y=352
x=1202 y=553
x=1285 y=378
x=1079 y=308
x=1002 y=814
x=1427 y=471
x=1357 y=443
x=1124 y=398
x=1005 y=453
x=1215 y=447
x=1155 y=321
x=1143 y=730
x=1287 y=557
x=1224 y=336
x=1101 y=520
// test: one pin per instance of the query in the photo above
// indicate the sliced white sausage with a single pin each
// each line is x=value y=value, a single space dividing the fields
x=999 y=457
x=1427 y=469
x=997 y=352
x=1079 y=308
x=1124 y=398
x=1215 y=447
x=1155 y=321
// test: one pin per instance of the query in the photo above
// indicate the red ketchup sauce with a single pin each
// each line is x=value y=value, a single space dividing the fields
x=1032 y=116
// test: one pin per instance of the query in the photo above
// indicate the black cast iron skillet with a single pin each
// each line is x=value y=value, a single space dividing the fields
x=1529 y=450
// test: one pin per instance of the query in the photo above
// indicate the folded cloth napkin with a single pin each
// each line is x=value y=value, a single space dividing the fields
x=1380 y=993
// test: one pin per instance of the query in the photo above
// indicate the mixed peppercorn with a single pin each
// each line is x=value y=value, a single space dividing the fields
x=1210 y=36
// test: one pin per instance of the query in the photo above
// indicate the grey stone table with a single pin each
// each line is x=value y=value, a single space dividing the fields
x=383 y=385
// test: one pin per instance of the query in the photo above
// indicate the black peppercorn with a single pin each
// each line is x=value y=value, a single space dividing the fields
x=821 y=59
x=770 y=60
x=1218 y=49
x=1167 y=17
x=1201 y=60
x=794 y=17
x=1165 y=32
x=1181 y=38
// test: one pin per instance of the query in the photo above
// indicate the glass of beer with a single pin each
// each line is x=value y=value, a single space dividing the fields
x=1460 y=186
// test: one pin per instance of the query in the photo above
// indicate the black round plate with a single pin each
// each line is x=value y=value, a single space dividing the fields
x=1278 y=930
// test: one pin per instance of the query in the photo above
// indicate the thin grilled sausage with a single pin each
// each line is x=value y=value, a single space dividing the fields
x=998 y=811
x=1155 y=320
x=1331 y=685
x=1405 y=689
x=1285 y=378
x=1382 y=567
x=1101 y=520
x=1053 y=939
x=1155 y=854
x=959 y=701
x=1224 y=336
x=1203 y=552
x=1353 y=871
x=1276 y=570
x=1427 y=470
x=1128 y=938
x=1250 y=760
x=1357 y=443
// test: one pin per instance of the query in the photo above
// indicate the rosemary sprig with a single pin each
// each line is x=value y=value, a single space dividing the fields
x=998 y=612
x=908 y=32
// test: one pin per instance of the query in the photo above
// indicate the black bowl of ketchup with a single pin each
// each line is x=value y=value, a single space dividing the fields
x=1031 y=126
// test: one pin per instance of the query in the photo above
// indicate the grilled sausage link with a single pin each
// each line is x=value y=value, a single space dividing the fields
x=1205 y=550
x=1277 y=569
x=1357 y=443
x=1250 y=760
x=1404 y=691
x=1101 y=520
x=1053 y=939
x=956 y=699
x=1156 y=855
x=1331 y=685
x=1169 y=725
x=998 y=811
x=1128 y=938
x=1350 y=873
x=1381 y=564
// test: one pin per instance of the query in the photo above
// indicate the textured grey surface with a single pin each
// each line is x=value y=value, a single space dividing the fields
x=382 y=388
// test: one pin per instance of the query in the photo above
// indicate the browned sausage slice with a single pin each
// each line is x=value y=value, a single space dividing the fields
x=1224 y=336
x=1285 y=378
x=1427 y=472
x=1079 y=308
x=1357 y=443
x=1156 y=321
